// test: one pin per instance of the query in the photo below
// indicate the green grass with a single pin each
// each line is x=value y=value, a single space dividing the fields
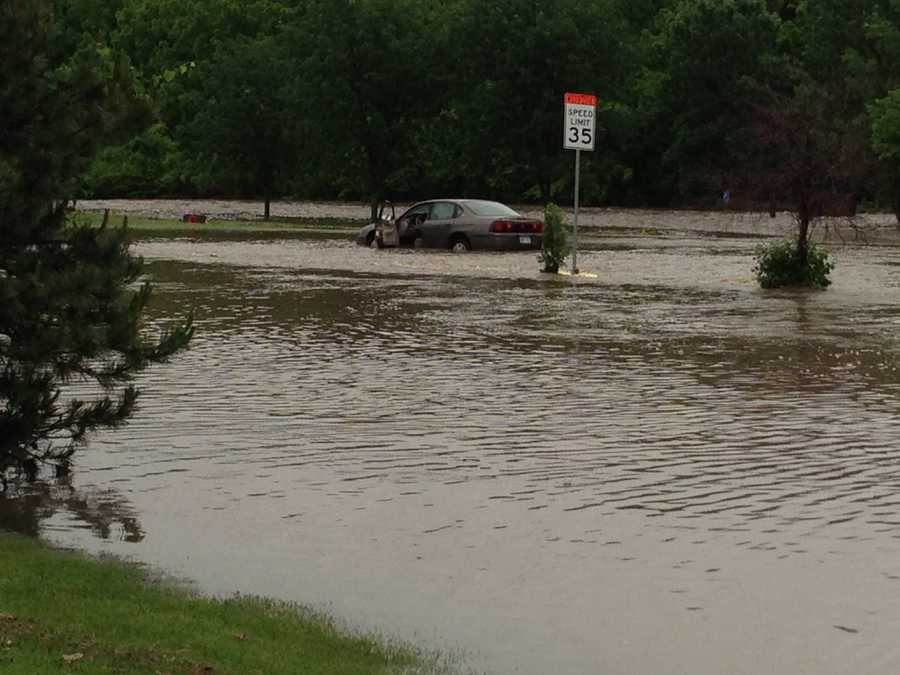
x=160 y=224
x=57 y=603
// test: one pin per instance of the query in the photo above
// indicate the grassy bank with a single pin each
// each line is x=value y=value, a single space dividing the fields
x=142 y=223
x=62 y=612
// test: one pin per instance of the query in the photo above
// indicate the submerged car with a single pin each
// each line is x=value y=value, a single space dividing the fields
x=455 y=224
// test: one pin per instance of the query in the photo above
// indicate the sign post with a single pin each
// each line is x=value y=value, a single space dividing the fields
x=578 y=135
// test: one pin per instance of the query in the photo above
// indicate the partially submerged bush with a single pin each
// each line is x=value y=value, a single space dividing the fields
x=556 y=246
x=781 y=264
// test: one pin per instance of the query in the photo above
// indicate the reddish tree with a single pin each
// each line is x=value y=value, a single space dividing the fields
x=807 y=155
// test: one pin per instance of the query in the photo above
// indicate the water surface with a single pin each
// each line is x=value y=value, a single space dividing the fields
x=661 y=469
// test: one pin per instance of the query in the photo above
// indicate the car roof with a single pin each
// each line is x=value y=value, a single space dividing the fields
x=458 y=200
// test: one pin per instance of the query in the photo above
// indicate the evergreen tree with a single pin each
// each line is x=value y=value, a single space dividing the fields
x=70 y=313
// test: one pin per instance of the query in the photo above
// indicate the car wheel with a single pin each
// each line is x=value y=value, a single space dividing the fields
x=459 y=244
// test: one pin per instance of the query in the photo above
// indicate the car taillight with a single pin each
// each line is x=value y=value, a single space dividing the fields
x=535 y=226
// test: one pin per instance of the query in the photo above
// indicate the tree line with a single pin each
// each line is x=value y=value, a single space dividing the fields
x=364 y=99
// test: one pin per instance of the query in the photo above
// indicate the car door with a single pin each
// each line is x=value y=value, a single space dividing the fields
x=437 y=229
x=410 y=223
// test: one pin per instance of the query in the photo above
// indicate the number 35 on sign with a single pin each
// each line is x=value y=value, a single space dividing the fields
x=579 y=123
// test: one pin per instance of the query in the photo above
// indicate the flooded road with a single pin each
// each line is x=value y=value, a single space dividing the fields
x=659 y=470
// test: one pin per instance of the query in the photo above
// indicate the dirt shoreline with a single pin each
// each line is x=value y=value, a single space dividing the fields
x=876 y=227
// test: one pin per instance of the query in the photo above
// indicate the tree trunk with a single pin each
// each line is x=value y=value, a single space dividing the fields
x=377 y=161
x=268 y=183
x=803 y=235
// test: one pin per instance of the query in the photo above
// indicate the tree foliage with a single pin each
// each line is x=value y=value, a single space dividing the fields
x=365 y=85
x=69 y=313
x=507 y=93
x=148 y=164
x=704 y=58
x=242 y=115
x=403 y=98
x=886 y=126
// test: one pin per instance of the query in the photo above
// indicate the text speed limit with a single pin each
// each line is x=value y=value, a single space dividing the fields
x=579 y=121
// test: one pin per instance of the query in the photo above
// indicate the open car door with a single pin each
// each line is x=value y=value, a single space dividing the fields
x=387 y=232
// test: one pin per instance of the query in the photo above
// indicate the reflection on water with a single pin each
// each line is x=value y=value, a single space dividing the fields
x=663 y=469
x=38 y=507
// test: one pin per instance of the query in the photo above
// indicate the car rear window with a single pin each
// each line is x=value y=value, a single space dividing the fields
x=482 y=208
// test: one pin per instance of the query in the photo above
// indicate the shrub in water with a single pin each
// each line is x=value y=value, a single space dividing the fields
x=556 y=247
x=780 y=264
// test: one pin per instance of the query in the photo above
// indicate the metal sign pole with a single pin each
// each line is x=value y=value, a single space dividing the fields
x=578 y=135
x=575 y=225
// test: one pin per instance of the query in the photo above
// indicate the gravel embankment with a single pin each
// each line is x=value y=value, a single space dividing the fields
x=880 y=227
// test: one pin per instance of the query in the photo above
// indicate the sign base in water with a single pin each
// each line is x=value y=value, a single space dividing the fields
x=578 y=273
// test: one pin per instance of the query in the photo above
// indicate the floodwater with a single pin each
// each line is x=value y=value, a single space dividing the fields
x=662 y=469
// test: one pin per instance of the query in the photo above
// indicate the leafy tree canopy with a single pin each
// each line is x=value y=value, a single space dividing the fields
x=705 y=59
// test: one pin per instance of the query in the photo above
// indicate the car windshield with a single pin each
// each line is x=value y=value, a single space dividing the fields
x=482 y=208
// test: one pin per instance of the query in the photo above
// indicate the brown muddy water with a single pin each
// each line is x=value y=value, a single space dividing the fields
x=662 y=469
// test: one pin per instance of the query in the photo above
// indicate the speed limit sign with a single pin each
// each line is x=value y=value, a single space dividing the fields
x=578 y=135
x=579 y=123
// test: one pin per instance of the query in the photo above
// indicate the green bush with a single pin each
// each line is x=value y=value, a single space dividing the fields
x=147 y=165
x=556 y=247
x=779 y=264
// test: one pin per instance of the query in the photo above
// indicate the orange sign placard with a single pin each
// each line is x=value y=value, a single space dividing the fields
x=580 y=99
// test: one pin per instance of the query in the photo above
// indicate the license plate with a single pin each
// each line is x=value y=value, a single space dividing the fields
x=524 y=240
